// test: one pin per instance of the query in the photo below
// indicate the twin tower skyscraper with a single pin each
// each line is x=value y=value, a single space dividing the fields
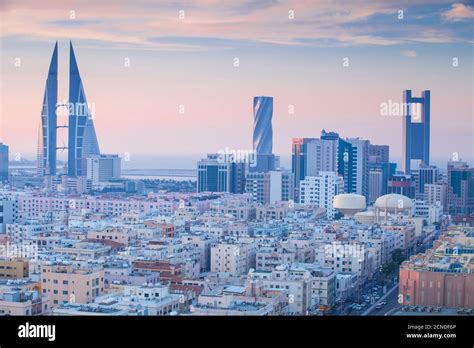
x=82 y=139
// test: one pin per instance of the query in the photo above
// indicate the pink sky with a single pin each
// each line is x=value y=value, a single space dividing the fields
x=190 y=63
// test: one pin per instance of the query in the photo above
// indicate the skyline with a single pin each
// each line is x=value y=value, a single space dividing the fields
x=163 y=78
x=307 y=160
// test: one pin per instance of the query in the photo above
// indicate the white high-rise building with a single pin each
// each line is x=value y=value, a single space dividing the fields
x=102 y=168
x=320 y=190
x=232 y=257
x=435 y=194
x=270 y=187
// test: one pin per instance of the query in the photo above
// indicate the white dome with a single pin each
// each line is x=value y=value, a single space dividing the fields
x=349 y=203
x=393 y=202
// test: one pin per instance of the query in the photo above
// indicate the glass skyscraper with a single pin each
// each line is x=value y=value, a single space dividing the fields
x=82 y=140
x=416 y=130
x=3 y=162
x=263 y=134
x=47 y=136
x=82 y=137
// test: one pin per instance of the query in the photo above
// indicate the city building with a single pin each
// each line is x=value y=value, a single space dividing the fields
x=321 y=190
x=14 y=268
x=422 y=176
x=269 y=187
x=250 y=300
x=442 y=276
x=47 y=136
x=232 y=257
x=8 y=212
x=379 y=153
x=460 y=189
x=3 y=162
x=309 y=288
x=356 y=160
x=402 y=184
x=82 y=139
x=376 y=184
x=416 y=129
x=16 y=301
x=63 y=283
x=214 y=175
x=263 y=134
x=102 y=168
x=310 y=156
x=430 y=212
x=380 y=170
x=435 y=194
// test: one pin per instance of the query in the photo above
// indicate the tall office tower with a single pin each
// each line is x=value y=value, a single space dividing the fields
x=352 y=162
x=263 y=134
x=311 y=156
x=102 y=168
x=3 y=162
x=416 y=130
x=402 y=185
x=460 y=190
x=47 y=135
x=424 y=175
x=360 y=166
x=320 y=190
x=379 y=170
x=8 y=212
x=270 y=187
x=82 y=137
x=388 y=170
x=379 y=153
x=375 y=184
x=214 y=175
x=238 y=177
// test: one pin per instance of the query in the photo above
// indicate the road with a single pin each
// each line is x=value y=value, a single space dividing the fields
x=391 y=297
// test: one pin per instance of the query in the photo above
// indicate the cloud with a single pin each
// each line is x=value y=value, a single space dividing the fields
x=409 y=53
x=459 y=12
x=216 y=24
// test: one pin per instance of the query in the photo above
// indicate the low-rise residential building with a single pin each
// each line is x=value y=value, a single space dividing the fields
x=442 y=276
x=67 y=283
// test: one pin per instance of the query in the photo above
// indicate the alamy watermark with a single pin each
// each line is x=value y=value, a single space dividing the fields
x=339 y=250
x=391 y=108
x=22 y=251
x=78 y=109
x=237 y=156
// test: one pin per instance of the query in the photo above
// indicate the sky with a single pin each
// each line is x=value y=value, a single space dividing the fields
x=165 y=87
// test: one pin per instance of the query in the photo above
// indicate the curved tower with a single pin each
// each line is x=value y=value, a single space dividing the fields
x=47 y=135
x=82 y=139
x=262 y=125
x=263 y=135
